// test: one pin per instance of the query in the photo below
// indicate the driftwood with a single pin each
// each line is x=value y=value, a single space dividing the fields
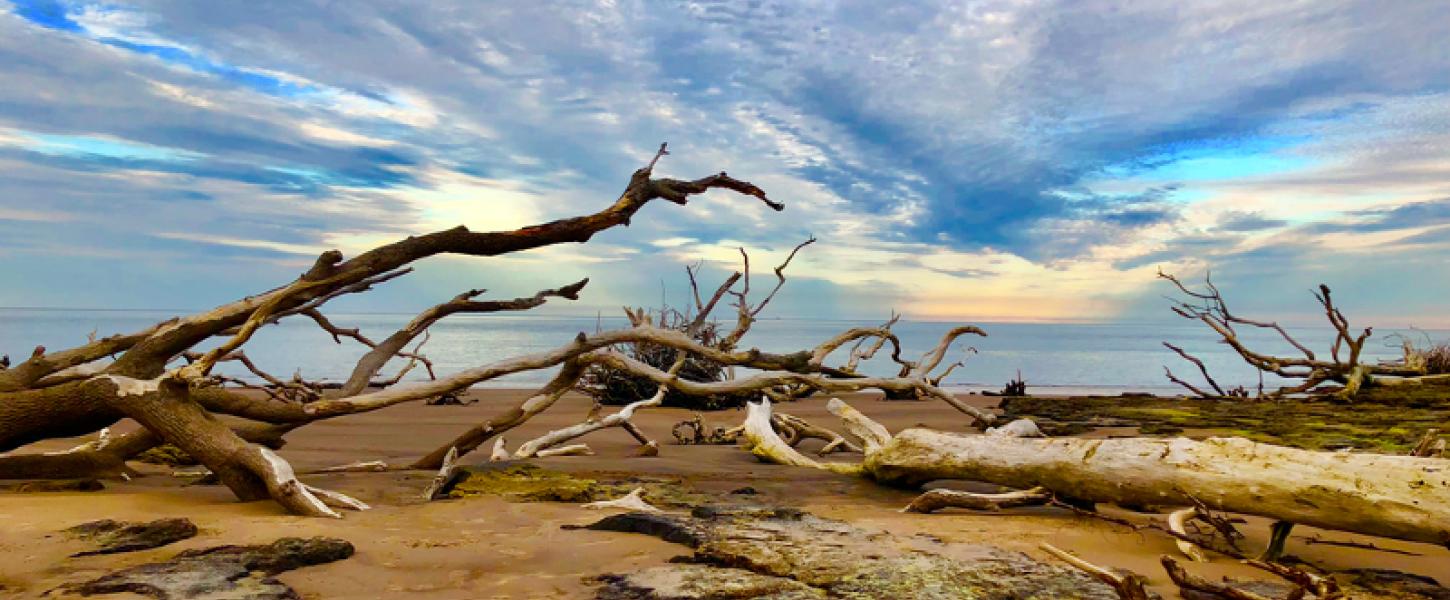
x=570 y=450
x=1399 y=497
x=500 y=451
x=620 y=419
x=1344 y=373
x=446 y=473
x=1391 y=496
x=934 y=500
x=1178 y=524
x=633 y=501
x=1128 y=586
x=1188 y=581
x=81 y=390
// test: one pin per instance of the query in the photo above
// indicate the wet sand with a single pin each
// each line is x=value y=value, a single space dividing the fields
x=487 y=547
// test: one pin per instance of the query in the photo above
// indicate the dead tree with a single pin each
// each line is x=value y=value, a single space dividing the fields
x=1344 y=374
x=609 y=386
x=79 y=391
x=1399 y=497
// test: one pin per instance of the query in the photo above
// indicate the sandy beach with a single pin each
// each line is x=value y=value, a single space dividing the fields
x=487 y=547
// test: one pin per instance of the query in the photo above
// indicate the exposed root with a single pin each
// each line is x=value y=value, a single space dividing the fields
x=337 y=499
x=1430 y=445
x=298 y=497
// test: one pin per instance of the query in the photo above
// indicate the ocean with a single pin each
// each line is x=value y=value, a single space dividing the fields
x=1056 y=358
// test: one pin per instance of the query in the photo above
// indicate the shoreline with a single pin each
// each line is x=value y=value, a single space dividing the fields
x=489 y=547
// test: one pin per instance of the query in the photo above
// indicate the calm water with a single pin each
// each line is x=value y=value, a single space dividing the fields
x=1077 y=358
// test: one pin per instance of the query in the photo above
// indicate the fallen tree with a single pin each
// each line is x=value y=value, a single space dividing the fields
x=159 y=380
x=1401 y=497
x=1344 y=374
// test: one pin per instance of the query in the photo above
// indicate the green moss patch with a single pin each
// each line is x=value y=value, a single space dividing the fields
x=166 y=454
x=524 y=482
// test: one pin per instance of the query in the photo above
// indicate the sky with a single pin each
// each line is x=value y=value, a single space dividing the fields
x=1022 y=160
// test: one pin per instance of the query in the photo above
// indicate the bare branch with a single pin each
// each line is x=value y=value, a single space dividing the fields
x=622 y=418
x=1198 y=363
x=937 y=499
x=1211 y=309
x=381 y=353
x=1183 y=579
x=1128 y=586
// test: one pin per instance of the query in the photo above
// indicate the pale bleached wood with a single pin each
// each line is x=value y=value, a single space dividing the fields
x=634 y=501
x=570 y=450
x=445 y=475
x=1400 y=497
x=1178 y=523
x=533 y=447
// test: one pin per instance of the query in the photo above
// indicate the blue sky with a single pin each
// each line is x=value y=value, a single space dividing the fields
x=1014 y=160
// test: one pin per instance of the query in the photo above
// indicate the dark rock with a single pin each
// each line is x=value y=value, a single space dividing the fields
x=1388 y=581
x=670 y=528
x=114 y=536
x=701 y=582
x=221 y=573
x=1273 y=590
x=745 y=491
x=833 y=559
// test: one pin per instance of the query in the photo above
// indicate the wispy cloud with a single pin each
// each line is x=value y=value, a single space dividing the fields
x=999 y=159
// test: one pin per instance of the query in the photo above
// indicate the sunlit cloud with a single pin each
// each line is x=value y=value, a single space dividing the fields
x=981 y=160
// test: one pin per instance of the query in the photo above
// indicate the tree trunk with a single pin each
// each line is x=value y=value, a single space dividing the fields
x=251 y=471
x=1399 y=497
x=65 y=410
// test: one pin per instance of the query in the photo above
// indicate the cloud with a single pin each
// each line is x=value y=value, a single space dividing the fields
x=1241 y=221
x=989 y=159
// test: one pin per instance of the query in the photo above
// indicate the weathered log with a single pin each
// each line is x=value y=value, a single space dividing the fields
x=1400 y=497
x=934 y=500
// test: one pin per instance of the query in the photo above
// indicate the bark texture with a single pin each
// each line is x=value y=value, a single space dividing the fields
x=1400 y=497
